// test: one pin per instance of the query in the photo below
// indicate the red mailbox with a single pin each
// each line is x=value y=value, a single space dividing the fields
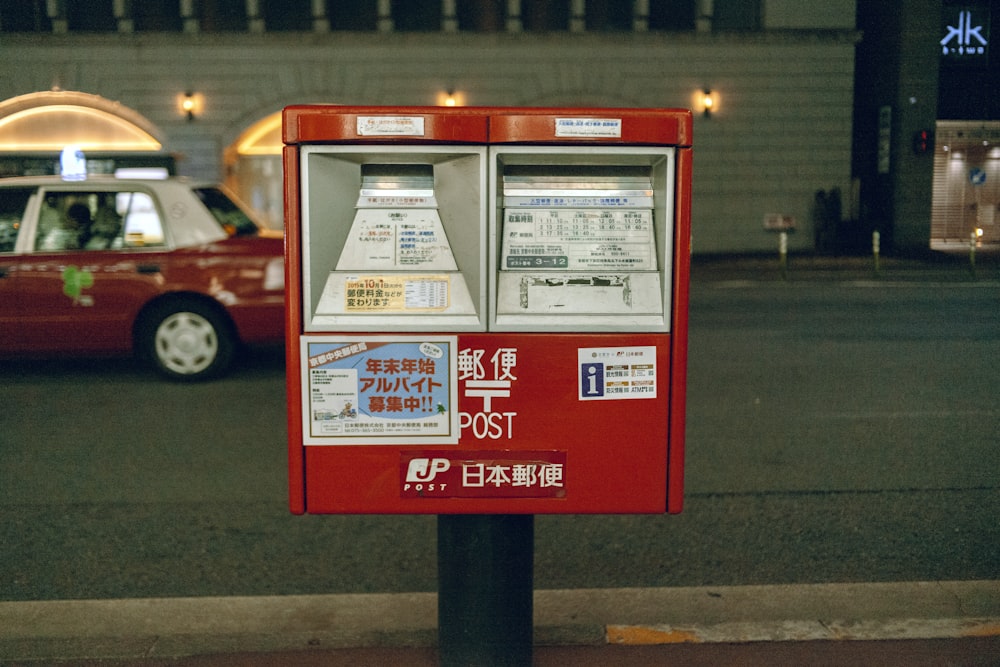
x=487 y=309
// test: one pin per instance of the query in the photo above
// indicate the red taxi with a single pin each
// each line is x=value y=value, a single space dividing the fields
x=173 y=271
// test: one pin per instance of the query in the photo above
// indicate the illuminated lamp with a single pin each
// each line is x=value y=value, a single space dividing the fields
x=190 y=104
x=450 y=98
x=706 y=101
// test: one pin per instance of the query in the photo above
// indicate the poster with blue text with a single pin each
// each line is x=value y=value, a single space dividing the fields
x=379 y=390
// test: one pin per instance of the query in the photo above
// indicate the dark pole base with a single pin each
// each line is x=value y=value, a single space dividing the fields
x=485 y=589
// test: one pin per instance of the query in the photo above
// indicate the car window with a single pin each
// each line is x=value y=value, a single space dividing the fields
x=142 y=221
x=64 y=221
x=13 y=201
x=226 y=212
x=89 y=220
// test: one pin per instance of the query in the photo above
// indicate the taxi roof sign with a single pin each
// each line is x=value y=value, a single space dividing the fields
x=72 y=164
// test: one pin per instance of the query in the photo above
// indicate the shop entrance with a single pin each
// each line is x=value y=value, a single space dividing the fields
x=966 y=185
x=253 y=169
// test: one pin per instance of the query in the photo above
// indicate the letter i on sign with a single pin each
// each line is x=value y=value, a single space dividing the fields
x=592 y=380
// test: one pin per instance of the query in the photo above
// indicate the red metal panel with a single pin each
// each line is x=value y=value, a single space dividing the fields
x=293 y=329
x=614 y=450
x=334 y=124
x=679 y=331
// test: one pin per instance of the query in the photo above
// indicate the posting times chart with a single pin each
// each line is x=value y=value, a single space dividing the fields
x=579 y=239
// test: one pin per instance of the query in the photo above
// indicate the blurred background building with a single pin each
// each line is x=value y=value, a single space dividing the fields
x=843 y=117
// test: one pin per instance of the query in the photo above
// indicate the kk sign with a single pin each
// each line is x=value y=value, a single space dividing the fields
x=966 y=34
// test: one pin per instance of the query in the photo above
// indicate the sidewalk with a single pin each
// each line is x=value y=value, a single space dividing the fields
x=401 y=628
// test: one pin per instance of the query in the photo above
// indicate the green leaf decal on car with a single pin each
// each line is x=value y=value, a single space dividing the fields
x=75 y=281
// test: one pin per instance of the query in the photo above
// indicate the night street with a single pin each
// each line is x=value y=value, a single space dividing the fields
x=838 y=431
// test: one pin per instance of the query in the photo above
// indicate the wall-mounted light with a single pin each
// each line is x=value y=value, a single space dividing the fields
x=451 y=98
x=190 y=104
x=707 y=101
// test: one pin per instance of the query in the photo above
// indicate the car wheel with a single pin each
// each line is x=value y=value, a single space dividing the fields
x=187 y=340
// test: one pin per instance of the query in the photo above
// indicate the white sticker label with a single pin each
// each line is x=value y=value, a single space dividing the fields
x=589 y=127
x=388 y=126
x=615 y=373
x=395 y=293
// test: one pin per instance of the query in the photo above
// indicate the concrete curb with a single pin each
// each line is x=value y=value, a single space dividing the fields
x=175 y=627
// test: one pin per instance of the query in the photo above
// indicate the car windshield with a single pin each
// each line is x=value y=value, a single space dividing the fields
x=230 y=216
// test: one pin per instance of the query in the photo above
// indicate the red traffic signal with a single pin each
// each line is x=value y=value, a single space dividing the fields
x=923 y=141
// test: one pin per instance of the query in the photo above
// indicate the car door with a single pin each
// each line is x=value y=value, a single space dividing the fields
x=15 y=211
x=95 y=259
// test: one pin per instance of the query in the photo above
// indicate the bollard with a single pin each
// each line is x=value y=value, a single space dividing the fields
x=972 y=253
x=876 y=247
x=783 y=253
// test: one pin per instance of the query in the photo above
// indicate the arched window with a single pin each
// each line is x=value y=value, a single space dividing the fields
x=54 y=119
x=35 y=128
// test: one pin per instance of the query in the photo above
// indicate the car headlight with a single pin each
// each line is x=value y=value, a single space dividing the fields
x=274 y=275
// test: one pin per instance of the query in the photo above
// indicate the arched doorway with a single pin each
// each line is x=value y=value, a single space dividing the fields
x=254 y=172
x=34 y=128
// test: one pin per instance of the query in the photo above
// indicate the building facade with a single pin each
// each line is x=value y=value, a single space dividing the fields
x=927 y=123
x=967 y=138
x=211 y=76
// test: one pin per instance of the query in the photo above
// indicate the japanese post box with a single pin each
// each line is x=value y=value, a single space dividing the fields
x=487 y=309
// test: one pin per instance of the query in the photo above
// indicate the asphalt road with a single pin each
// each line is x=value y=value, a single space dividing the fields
x=838 y=431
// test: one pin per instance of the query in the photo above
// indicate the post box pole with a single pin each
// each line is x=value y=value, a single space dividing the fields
x=485 y=589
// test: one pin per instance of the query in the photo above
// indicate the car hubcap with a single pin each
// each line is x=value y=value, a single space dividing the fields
x=186 y=343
